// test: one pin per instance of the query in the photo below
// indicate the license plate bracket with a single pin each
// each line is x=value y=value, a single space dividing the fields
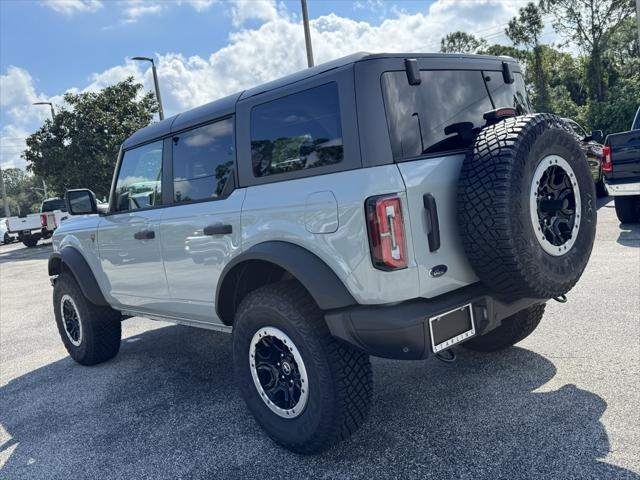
x=451 y=327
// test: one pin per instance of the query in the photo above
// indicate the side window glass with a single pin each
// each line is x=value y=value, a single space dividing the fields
x=202 y=161
x=508 y=95
x=297 y=132
x=139 y=183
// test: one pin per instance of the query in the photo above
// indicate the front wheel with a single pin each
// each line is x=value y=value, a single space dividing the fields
x=306 y=390
x=90 y=333
x=628 y=208
x=515 y=328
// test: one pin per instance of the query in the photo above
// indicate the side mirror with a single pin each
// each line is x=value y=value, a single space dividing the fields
x=597 y=135
x=81 y=202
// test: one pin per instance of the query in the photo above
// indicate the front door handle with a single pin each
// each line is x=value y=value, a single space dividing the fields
x=144 y=235
x=218 y=229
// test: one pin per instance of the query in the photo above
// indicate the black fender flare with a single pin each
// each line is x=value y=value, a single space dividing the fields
x=73 y=260
x=328 y=291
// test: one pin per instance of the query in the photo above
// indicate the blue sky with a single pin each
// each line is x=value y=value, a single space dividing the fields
x=204 y=48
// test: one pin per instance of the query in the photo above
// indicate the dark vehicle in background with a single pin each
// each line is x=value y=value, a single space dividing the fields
x=621 y=169
x=592 y=147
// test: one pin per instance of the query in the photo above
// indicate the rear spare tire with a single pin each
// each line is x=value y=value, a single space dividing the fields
x=526 y=207
x=31 y=241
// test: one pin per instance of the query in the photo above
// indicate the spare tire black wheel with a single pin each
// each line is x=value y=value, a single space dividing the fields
x=526 y=207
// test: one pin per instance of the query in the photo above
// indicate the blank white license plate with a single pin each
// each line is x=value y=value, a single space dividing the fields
x=451 y=327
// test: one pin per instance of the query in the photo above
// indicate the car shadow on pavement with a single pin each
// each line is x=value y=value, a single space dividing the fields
x=629 y=235
x=167 y=407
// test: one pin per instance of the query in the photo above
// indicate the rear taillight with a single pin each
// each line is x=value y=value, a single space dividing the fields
x=43 y=219
x=607 y=164
x=386 y=232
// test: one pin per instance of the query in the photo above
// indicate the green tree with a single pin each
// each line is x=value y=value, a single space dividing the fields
x=461 y=42
x=24 y=192
x=79 y=147
x=591 y=25
x=525 y=29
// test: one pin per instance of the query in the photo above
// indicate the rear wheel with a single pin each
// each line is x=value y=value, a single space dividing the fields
x=305 y=389
x=628 y=208
x=513 y=329
x=31 y=241
x=90 y=333
x=7 y=238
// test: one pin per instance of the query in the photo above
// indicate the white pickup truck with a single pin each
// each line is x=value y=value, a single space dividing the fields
x=31 y=228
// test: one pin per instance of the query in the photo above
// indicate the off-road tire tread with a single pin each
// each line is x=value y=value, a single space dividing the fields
x=351 y=369
x=513 y=330
x=492 y=237
x=102 y=328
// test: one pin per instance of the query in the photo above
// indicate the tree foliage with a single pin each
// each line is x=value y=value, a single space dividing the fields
x=600 y=87
x=24 y=192
x=591 y=24
x=525 y=29
x=461 y=42
x=79 y=147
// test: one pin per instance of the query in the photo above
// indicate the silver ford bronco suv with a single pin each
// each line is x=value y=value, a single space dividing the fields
x=391 y=205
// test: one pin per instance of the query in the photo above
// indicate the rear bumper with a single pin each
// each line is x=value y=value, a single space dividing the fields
x=401 y=331
x=621 y=188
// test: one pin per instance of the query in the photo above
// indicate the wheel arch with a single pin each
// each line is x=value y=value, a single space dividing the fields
x=70 y=259
x=271 y=261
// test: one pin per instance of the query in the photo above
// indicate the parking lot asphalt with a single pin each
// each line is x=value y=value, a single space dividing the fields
x=564 y=403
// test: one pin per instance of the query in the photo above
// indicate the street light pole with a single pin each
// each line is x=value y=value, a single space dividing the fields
x=307 y=33
x=53 y=112
x=155 y=82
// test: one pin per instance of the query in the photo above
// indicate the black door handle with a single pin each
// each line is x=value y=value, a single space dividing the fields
x=218 y=229
x=144 y=235
x=433 y=234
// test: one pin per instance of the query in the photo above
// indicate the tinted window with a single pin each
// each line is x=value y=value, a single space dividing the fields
x=296 y=132
x=202 y=161
x=139 y=179
x=508 y=95
x=55 y=204
x=576 y=129
x=418 y=115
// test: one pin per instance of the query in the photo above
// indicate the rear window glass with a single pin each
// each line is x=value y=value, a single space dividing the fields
x=507 y=95
x=52 y=205
x=444 y=112
x=297 y=132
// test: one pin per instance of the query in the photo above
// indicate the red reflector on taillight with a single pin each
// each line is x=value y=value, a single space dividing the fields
x=386 y=232
x=607 y=164
x=43 y=219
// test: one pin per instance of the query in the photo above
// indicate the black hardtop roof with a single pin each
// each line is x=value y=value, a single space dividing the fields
x=226 y=106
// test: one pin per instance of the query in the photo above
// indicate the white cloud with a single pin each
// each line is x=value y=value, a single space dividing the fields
x=243 y=10
x=138 y=8
x=199 y=5
x=69 y=7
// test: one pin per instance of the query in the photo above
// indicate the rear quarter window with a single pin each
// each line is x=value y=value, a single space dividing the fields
x=297 y=132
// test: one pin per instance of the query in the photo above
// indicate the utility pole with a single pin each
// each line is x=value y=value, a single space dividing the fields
x=155 y=82
x=307 y=33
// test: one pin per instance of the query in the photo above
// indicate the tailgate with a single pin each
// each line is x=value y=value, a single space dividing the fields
x=625 y=155
x=437 y=177
x=30 y=222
